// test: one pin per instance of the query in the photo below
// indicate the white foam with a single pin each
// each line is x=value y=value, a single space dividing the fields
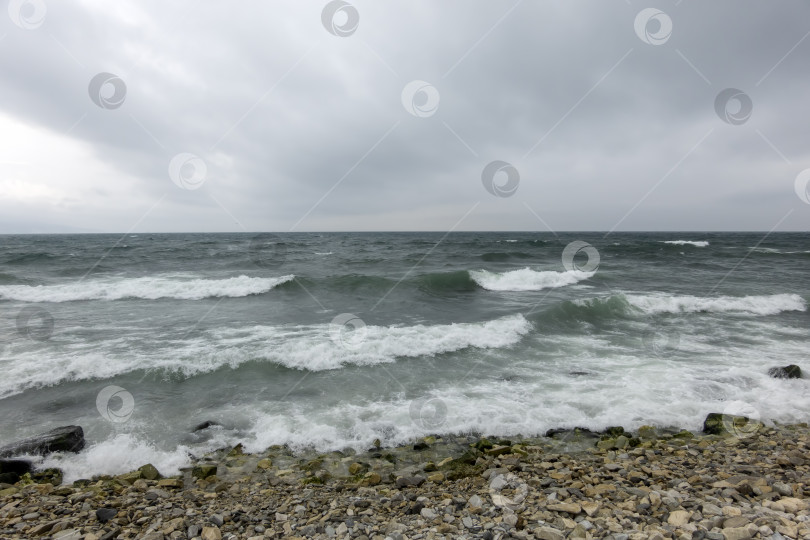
x=120 y=454
x=755 y=305
x=149 y=288
x=696 y=243
x=537 y=396
x=312 y=348
x=384 y=344
x=527 y=279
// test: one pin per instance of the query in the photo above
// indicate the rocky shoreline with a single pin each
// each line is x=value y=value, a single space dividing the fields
x=739 y=479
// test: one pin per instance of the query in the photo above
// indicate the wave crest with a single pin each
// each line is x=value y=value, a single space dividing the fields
x=384 y=344
x=527 y=279
x=148 y=288
x=696 y=243
x=308 y=348
x=755 y=305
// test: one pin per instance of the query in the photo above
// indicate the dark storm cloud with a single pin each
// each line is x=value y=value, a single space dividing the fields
x=299 y=128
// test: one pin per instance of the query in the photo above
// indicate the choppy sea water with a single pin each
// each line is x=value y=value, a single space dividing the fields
x=333 y=340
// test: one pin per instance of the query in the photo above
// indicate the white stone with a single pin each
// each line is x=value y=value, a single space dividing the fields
x=427 y=513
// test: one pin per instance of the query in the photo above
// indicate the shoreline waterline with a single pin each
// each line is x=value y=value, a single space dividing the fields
x=749 y=477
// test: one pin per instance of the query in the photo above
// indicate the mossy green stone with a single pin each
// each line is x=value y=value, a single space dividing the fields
x=499 y=450
x=203 y=471
x=371 y=479
x=647 y=433
x=483 y=444
x=313 y=465
x=129 y=478
x=606 y=444
x=311 y=480
x=48 y=476
x=714 y=424
x=149 y=472
x=237 y=450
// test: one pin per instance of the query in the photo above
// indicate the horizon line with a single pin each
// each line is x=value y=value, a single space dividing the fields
x=593 y=231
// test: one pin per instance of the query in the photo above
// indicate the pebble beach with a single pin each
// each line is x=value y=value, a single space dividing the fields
x=653 y=484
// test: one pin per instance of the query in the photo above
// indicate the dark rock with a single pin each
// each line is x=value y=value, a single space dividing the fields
x=205 y=425
x=564 y=433
x=415 y=508
x=613 y=432
x=721 y=424
x=745 y=489
x=106 y=514
x=483 y=444
x=713 y=424
x=407 y=481
x=421 y=445
x=62 y=439
x=18 y=466
x=787 y=372
x=467 y=458
x=9 y=478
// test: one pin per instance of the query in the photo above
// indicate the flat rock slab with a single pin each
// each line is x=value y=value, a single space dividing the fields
x=61 y=439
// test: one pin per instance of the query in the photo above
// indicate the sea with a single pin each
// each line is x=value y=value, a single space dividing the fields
x=328 y=341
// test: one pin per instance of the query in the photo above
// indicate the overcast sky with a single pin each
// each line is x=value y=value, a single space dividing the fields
x=334 y=116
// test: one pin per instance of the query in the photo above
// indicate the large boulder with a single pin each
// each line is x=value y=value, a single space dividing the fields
x=786 y=372
x=61 y=439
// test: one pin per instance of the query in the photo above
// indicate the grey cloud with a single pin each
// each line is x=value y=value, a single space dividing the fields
x=281 y=110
